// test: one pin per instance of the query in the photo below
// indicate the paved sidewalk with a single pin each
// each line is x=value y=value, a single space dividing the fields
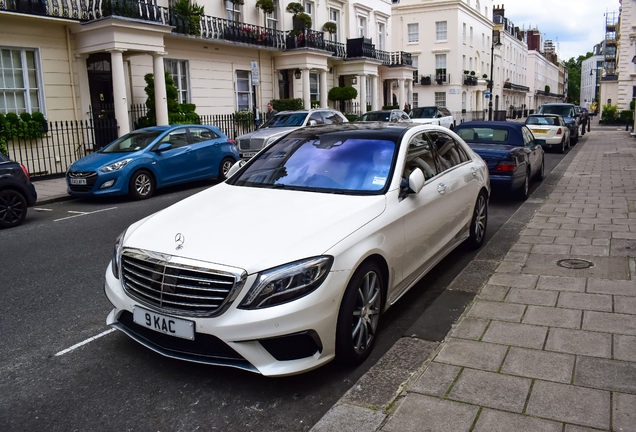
x=549 y=343
x=52 y=190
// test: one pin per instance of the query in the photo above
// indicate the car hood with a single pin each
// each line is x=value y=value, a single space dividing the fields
x=268 y=132
x=96 y=160
x=424 y=120
x=255 y=228
x=491 y=153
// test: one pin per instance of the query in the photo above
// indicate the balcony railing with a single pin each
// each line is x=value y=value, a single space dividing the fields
x=304 y=39
x=72 y=9
x=470 y=80
x=338 y=49
x=517 y=87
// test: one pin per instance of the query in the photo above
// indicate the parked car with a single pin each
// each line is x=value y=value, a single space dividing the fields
x=393 y=116
x=513 y=154
x=283 y=123
x=151 y=158
x=16 y=192
x=433 y=115
x=568 y=113
x=550 y=128
x=349 y=218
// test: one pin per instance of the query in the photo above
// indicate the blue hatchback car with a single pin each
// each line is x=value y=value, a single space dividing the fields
x=150 y=158
x=513 y=154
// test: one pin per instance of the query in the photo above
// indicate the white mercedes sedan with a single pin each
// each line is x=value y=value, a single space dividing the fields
x=292 y=261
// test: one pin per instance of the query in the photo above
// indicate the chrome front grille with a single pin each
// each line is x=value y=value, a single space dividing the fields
x=251 y=144
x=86 y=174
x=177 y=285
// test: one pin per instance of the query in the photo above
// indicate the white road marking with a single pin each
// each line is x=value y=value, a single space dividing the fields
x=84 y=214
x=78 y=212
x=41 y=209
x=84 y=342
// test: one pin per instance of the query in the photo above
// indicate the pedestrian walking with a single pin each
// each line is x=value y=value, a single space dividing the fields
x=271 y=112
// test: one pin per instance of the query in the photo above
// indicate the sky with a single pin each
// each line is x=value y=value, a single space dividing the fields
x=577 y=25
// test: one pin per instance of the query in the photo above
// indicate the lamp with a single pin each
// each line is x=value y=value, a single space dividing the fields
x=297 y=73
x=354 y=80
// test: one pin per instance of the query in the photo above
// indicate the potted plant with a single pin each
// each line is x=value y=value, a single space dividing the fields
x=547 y=88
x=463 y=110
x=425 y=80
x=189 y=16
x=484 y=76
x=472 y=73
x=330 y=27
x=466 y=72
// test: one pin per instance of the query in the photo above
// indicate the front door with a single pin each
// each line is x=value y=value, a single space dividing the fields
x=100 y=82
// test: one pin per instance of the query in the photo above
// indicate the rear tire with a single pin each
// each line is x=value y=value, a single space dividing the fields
x=524 y=191
x=541 y=173
x=13 y=208
x=224 y=167
x=142 y=185
x=563 y=145
x=359 y=314
x=479 y=223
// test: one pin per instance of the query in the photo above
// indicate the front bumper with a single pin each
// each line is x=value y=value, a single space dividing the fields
x=93 y=186
x=237 y=338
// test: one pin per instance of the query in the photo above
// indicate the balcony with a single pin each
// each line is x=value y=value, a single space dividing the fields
x=470 y=80
x=516 y=87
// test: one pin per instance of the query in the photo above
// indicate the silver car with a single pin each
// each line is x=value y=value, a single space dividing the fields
x=392 y=116
x=283 y=123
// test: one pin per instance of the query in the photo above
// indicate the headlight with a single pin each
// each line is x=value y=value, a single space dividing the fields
x=115 y=166
x=116 y=250
x=287 y=282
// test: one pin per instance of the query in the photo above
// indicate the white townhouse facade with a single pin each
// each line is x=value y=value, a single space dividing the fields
x=626 y=51
x=446 y=38
x=542 y=72
x=591 y=71
x=61 y=57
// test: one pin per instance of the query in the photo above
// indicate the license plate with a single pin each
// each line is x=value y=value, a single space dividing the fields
x=249 y=154
x=540 y=131
x=78 y=181
x=164 y=324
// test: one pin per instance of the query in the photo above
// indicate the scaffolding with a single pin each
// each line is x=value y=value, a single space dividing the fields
x=611 y=42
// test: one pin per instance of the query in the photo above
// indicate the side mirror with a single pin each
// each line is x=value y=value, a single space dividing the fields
x=312 y=123
x=416 y=180
x=237 y=166
x=164 y=147
x=440 y=115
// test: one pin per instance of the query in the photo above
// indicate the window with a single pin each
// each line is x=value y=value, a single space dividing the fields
x=464 y=33
x=416 y=99
x=314 y=87
x=483 y=40
x=440 y=99
x=446 y=153
x=332 y=117
x=233 y=11
x=471 y=36
x=201 y=134
x=440 y=31
x=488 y=42
x=482 y=70
x=470 y=63
x=416 y=74
x=334 y=17
x=381 y=36
x=477 y=5
x=19 y=81
x=362 y=26
x=440 y=67
x=178 y=71
x=528 y=138
x=272 y=18
x=309 y=10
x=243 y=90
x=463 y=62
x=414 y=32
x=486 y=11
x=177 y=138
x=463 y=100
x=317 y=117
x=420 y=155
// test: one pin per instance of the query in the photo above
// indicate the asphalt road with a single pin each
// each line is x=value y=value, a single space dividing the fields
x=51 y=298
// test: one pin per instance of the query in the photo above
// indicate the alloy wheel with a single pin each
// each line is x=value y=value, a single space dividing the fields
x=226 y=167
x=366 y=312
x=143 y=184
x=480 y=219
x=12 y=208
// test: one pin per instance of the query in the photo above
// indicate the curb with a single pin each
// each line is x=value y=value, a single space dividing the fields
x=367 y=404
x=54 y=199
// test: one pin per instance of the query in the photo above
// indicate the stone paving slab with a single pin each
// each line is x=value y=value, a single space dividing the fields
x=539 y=364
x=499 y=421
x=491 y=390
x=418 y=413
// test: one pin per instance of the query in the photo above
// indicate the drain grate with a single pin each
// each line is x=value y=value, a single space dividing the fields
x=575 y=263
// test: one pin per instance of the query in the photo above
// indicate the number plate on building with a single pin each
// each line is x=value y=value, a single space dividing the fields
x=78 y=181
x=164 y=324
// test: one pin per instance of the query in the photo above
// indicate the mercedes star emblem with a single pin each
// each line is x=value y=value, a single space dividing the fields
x=179 y=239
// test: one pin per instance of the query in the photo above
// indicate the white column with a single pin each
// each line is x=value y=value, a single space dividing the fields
x=363 y=94
x=401 y=98
x=410 y=93
x=161 y=100
x=119 y=91
x=306 y=89
x=375 y=100
x=323 y=89
x=85 y=92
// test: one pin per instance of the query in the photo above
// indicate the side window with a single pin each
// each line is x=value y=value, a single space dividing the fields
x=528 y=139
x=332 y=117
x=463 y=156
x=178 y=138
x=419 y=155
x=202 y=134
x=446 y=154
x=445 y=111
x=317 y=117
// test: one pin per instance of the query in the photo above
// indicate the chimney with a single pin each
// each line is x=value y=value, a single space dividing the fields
x=499 y=11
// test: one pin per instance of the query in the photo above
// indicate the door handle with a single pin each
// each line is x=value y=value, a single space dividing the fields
x=473 y=171
x=441 y=188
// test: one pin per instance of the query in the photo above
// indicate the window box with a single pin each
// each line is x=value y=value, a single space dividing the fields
x=425 y=80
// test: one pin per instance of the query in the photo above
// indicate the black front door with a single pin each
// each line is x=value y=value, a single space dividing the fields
x=283 y=84
x=100 y=82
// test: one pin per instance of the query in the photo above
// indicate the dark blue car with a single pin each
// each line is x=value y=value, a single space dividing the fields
x=510 y=150
x=150 y=158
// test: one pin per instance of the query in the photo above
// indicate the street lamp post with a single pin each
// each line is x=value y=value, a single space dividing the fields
x=492 y=65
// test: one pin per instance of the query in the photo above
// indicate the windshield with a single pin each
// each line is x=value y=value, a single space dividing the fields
x=483 y=134
x=286 y=120
x=424 y=112
x=323 y=163
x=549 y=121
x=376 y=116
x=562 y=110
x=132 y=142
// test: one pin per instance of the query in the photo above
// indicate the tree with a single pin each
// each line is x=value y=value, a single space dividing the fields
x=574 y=77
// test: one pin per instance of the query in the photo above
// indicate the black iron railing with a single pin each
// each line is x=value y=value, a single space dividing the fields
x=338 y=49
x=304 y=39
x=470 y=80
x=232 y=125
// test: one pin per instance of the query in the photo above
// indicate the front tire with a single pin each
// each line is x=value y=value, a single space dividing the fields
x=479 y=223
x=142 y=185
x=360 y=314
x=13 y=208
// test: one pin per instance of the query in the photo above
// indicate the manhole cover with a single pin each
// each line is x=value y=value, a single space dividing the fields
x=576 y=264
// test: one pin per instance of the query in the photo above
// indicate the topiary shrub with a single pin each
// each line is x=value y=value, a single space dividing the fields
x=25 y=117
x=288 y=104
x=267 y=6
x=547 y=89
x=150 y=118
x=342 y=94
x=627 y=116
x=351 y=117
x=610 y=113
